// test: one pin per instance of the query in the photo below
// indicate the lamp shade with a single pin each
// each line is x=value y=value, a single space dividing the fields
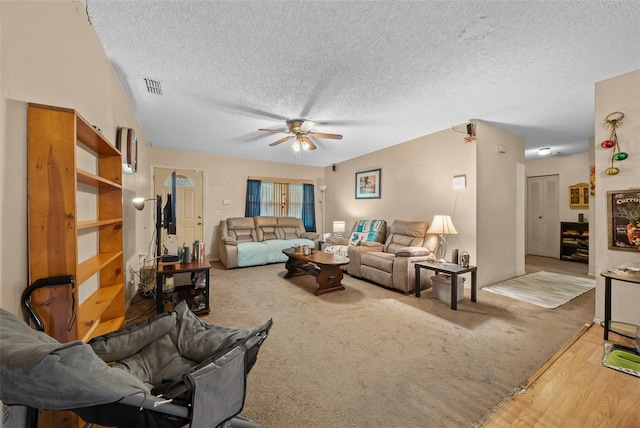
x=442 y=225
x=338 y=226
x=139 y=202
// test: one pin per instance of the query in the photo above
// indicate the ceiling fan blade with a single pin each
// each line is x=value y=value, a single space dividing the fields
x=307 y=125
x=282 y=140
x=277 y=131
x=329 y=136
x=308 y=141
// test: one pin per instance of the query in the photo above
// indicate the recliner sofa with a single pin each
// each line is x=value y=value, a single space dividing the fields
x=393 y=266
x=365 y=235
x=253 y=241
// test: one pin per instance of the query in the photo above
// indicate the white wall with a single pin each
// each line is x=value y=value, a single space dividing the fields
x=50 y=55
x=416 y=184
x=571 y=170
x=226 y=178
x=622 y=94
x=500 y=204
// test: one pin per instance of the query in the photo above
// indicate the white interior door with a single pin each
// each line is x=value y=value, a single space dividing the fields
x=543 y=216
x=189 y=218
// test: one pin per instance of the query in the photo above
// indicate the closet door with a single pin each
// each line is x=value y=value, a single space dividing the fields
x=543 y=217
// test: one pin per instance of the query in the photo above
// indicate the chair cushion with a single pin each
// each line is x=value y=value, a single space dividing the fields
x=379 y=261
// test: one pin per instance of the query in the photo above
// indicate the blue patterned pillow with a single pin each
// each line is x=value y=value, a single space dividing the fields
x=371 y=228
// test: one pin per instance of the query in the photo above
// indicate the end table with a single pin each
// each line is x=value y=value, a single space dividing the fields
x=453 y=270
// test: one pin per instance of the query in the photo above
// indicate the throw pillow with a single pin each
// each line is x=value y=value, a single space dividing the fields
x=357 y=238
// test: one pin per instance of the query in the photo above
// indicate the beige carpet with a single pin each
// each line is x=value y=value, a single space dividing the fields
x=370 y=357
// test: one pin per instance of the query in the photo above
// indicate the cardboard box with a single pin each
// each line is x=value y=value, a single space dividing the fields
x=442 y=287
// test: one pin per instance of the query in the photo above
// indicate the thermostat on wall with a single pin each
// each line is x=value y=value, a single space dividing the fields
x=459 y=181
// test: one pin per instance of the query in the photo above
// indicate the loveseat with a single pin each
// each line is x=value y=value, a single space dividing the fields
x=393 y=265
x=253 y=241
x=365 y=235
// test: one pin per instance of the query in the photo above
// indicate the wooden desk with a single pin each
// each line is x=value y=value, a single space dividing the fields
x=608 y=276
x=197 y=298
x=453 y=270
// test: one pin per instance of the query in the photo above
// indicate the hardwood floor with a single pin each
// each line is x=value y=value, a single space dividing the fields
x=574 y=389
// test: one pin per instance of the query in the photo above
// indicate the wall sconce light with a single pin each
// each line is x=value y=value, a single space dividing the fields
x=544 y=151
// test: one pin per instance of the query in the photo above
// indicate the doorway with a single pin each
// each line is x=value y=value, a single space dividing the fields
x=188 y=198
x=543 y=216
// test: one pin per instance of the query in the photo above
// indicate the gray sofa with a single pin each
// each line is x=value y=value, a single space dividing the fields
x=253 y=241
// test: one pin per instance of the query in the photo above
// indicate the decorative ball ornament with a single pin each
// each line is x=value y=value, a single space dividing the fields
x=611 y=170
x=613 y=121
x=607 y=144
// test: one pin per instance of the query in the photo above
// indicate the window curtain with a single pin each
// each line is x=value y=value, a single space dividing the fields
x=267 y=200
x=296 y=199
x=282 y=199
x=309 y=208
x=252 y=207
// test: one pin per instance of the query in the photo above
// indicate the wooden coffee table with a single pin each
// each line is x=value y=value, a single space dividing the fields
x=325 y=267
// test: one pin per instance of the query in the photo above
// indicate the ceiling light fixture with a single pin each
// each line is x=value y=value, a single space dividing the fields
x=544 y=151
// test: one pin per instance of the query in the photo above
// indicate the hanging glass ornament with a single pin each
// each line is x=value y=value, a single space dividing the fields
x=613 y=121
x=607 y=144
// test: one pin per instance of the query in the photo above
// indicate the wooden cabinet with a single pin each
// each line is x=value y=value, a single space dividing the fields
x=574 y=242
x=579 y=195
x=75 y=224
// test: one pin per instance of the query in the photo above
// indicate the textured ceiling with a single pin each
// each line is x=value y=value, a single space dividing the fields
x=378 y=72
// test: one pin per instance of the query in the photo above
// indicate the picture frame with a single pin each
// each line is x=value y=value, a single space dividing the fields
x=368 y=184
x=624 y=220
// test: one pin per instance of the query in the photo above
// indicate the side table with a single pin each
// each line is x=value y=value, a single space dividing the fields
x=608 y=276
x=197 y=298
x=454 y=271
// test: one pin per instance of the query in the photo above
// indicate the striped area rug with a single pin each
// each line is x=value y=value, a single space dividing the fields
x=545 y=289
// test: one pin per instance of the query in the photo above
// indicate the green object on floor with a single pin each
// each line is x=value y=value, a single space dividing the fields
x=624 y=359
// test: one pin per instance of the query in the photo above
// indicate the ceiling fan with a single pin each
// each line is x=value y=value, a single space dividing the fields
x=300 y=130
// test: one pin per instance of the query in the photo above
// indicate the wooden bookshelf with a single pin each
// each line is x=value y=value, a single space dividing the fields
x=75 y=228
x=574 y=242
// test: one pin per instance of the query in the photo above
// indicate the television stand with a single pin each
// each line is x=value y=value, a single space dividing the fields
x=197 y=298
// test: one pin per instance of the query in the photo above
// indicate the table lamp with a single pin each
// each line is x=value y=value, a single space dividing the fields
x=338 y=228
x=442 y=225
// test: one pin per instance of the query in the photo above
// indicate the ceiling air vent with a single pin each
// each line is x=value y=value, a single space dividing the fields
x=153 y=86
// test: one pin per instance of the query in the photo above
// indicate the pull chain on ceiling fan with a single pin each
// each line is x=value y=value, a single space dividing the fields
x=300 y=130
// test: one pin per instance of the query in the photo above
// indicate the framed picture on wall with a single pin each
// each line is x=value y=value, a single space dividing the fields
x=624 y=220
x=368 y=184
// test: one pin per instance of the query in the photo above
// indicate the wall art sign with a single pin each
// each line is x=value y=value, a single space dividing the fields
x=368 y=184
x=624 y=220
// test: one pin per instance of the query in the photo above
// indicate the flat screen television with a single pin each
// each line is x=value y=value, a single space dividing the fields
x=169 y=210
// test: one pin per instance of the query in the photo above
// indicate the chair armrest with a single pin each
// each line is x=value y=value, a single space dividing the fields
x=227 y=240
x=371 y=245
x=310 y=235
x=413 y=252
x=337 y=240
